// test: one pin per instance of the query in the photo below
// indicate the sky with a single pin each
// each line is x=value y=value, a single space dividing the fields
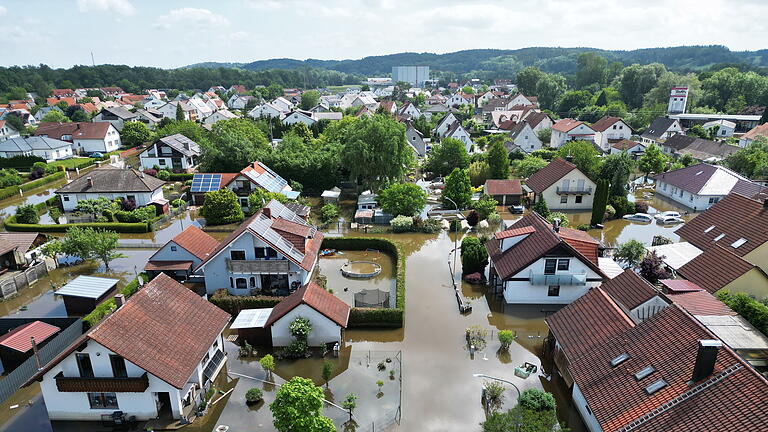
x=174 y=33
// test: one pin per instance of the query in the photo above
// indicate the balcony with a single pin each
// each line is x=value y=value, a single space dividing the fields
x=574 y=191
x=558 y=279
x=102 y=384
x=271 y=266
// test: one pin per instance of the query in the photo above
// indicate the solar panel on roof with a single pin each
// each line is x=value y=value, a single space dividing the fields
x=205 y=182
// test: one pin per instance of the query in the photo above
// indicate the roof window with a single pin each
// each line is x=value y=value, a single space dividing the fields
x=738 y=243
x=644 y=372
x=719 y=237
x=711 y=227
x=619 y=359
x=655 y=386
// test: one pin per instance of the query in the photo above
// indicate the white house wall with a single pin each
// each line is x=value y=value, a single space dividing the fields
x=648 y=309
x=522 y=292
x=323 y=329
x=553 y=199
x=581 y=404
x=69 y=200
x=180 y=254
x=528 y=140
x=685 y=198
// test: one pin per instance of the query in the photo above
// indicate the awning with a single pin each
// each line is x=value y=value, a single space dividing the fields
x=88 y=287
x=168 y=265
x=251 y=318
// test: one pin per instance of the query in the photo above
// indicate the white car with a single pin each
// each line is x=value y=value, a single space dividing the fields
x=670 y=220
x=666 y=214
x=639 y=217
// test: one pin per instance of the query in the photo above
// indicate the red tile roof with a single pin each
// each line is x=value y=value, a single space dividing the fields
x=168 y=265
x=53 y=101
x=318 y=299
x=761 y=130
x=196 y=241
x=674 y=286
x=752 y=219
x=514 y=232
x=604 y=123
x=625 y=144
x=700 y=303
x=581 y=241
x=549 y=175
x=566 y=124
x=715 y=268
x=629 y=289
x=503 y=187
x=19 y=339
x=78 y=130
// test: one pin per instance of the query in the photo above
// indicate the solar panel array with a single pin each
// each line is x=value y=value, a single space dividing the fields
x=262 y=225
x=269 y=180
x=279 y=210
x=205 y=182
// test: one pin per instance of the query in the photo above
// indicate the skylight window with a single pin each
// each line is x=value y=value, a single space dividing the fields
x=655 y=386
x=720 y=237
x=738 y=243
x=699 y=173
x=619 y=359
x=644 y=372
x=711 y=227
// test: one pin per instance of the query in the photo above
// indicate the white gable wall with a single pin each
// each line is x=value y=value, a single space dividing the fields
x=518 y=289
x=323 y=329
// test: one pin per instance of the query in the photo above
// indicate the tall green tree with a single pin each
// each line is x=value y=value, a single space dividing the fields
x=234 y=145
x=55 y=116
x=135 y=133
x=179 y=112
x=298 y=406
x=498 y=160
x=752 y=160
x=591 y=68
x=527 y=79
x=653 y=160
x=584 y=155
x=616 y=168
x=446 y=156
x=549 y=89
x=89 y=243
x=600 y=201
x=221 y=207
x=405 y=199
x=474 y=257
x=458 y=190
x=636 y=80
x=377 y=152
x=309 y=99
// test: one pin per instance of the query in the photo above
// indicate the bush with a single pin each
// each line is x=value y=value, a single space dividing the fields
x=641 y=206
x=221 y=207
x=610 y=212
x=493 y=219
x=429 y=225
x=752 y=310
x=536 y=400
x=151 y=171
x=329 y=212
x=506 y=337
x=541 y=207
x=107 y=307
x=138 y=215
x=163 y=175
x=622 y=205
x=474 y=257
x=20 y=162
x=178 y=202
x=185 y=177
x=253 y=395
x=12 y=225
x=234 y=304
x=583 y=227
x=564 y=222
x=473 y=218
x=401 y=224
x=485 y=206
x=27 y=214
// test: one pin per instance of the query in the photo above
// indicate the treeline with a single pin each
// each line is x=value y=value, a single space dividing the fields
x=42 y=78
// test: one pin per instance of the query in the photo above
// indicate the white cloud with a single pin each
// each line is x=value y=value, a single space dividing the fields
x=194 y=16
x=3 y=10
x=121 y=7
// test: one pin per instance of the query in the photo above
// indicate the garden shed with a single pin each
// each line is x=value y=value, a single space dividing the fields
x=84 y=293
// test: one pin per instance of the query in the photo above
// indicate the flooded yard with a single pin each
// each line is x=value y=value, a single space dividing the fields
x=345 y=287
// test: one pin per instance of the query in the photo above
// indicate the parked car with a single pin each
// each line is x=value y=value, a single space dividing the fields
x=670 y=220
x=666 y=214
x=96 y=155
x=639 y=217
x=516 y=209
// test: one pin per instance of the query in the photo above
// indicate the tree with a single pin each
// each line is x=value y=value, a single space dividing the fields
x=549 y=89
x=474 y=257
x=636 y=80
x=506 y=337
x=221 y=207
x=135 y=133
x=652 y=268
x=752 y=160
x=79 y=115
x=485 y=206
x=545 y=135
x=584 y=155
x=616 y=168
x=27 y=214
x=652 y=160
x=188 y=128
x=55 y=116
x=298 y=406
x=51 y=249
x=498 y=161
x=535 y=412
x=631 y=252
x=268 y=364
x=405 y=199
x=458 y=190
x=591 y=68
x=376 y=152
x=327 y=372
x=763 y=118
x=479 y=172
x=536 y=400
x=309 y=99
x=600 y=202
x=179 y=112
x=697 y=131
x=528 y=166
x=235 y=144
x=260 y=197
x=89 y=243
x=573 y=101
x=350 y=404
x=527 y=79
x=449 y=154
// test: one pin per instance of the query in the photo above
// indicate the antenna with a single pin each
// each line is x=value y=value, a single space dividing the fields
x=93 y=62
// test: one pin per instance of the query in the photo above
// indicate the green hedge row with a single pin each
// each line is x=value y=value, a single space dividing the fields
x=181 y=176
x=369 y=317
x=108 y=306
x=140 y=227
x=14 y=190
x=234 y=304
x=20 y=162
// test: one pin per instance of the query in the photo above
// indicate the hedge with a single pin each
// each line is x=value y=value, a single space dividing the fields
x=14 y=190
x=108 y=306
x=375 y=317
x=234 y=304
x=181 y=176
x=140 y=227
x=20 y=162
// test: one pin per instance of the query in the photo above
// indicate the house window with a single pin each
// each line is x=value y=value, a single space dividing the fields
x=260 y=252
x=131 y=198
x=691 y=198
x=65 y=197
x=237 y=255
x=173 y=248
x=206 y=358
x=84 y=365
x=563 y=264
x=271 y=253
x=714 y=200
x=253 y=282
x=231 y=283
x=553 y=291
x=578 y=199
x=564 y=199
x=118 y=366
x=103 y=400
x=241 y=283
x=161 y=161
x=550 y=265
x=165 y=150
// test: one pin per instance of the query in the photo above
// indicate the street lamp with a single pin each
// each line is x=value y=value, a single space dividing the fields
x=498 y=379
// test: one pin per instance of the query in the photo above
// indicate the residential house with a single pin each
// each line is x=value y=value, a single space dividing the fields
x=117 y=116
x=539 y=121
x=457 y=132
x=182 y=254
x=700 y=149
x=389 y=107
x=47 y=148
x=610 y=130
x=436 y=99
x=237 y=88
x=734 y=223
x=496 y=104
x=237 y=101
x=154 y=104
x=217 y=116
x=459 y=99
x=409 y=110
x=299 y=116
x=700 y=186
x=725 y=128
x=61 y=93
x=653 y=375
x=7 y=131
x=535 y=262
x=169 y=110
x=331 y=101
x=751 y=136
x=51 y=101
x=112 y=183
x=162 y=368
x=569 y=129
x=86 y=137
x=437 y=110
x=45 y=110
x=111 y=91
x=415 y=139
x=149 y=117
x=719 y=268
x=445 y=124
x=272 y=252
x=486 y=97
x=637 y=297
x=175 y=152
x=505 y=192
x=256 y=175
x=521 y=99
x=282 y=104
x=635 y=149
x=330 y=115
x=660 y=130
x=202 y=109
x=523 y=136
x=265 y=110
x=563 y=186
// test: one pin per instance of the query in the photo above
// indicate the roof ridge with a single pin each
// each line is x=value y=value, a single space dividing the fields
x=616 y=306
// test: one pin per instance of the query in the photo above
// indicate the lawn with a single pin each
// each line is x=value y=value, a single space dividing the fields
x=70 y=163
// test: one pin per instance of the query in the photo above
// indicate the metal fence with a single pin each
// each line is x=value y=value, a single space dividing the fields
x=15 y=283
x=171 y=214
x=26 y=370
x=386 y=422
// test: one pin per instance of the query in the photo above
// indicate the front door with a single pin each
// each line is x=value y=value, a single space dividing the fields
x=176 y=163
x=164 y=410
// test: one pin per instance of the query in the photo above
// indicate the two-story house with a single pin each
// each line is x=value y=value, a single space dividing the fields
x=272 y=253
x=535 y=262
x=563 y=186
x=445 y=124
x=112 y=183
x=569 y=129
x=7 y=131
x=459 y=99
x=254 y=176
x=265 y=110
x=175 y=152
x=609 y=130
x=410 y=111
x=660 y=129
x=117 y=116
x=86 y=137
x=523 y=137
x=521 y=99
x=699 y=187
x=155 y=356
x=415 y=139
x=457 y=132
x=182 y=254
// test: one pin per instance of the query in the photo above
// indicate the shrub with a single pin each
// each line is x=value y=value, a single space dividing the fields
x=564 y=222
x=474 y=257
x=138 y=215
x=329 y=212
x=185 y=177
x=622 y=205
x=536 y=400
x=485 y=206
x=641 y=206
x=234 y=304
x=493 y=219
x=107 y=307
x=583 y=227
x=473 y=218
x=267 y=363
x=473 y=278
x=631 y=252
x=253 y=395
x=178 y=202
x=20 y=162
x=221 y=207
x=752 y=310
x=327 y=371
x=454 y=225
x=151 y=171
x=27 y=214
x=506 y=337
x=652 y=268
x=429 y=225
x=164 y=175
x=476 y=336
x=610 y=212
x=300 y=328
x=55 y=214
x=541 y=208
x=11 y=225
x=401 y=224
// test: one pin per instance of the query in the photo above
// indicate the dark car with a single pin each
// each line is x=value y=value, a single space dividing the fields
x=516 y=209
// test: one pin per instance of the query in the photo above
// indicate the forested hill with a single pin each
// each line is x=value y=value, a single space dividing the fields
x=553 y=60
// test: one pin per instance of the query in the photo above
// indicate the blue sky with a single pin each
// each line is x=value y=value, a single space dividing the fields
x=172 y=33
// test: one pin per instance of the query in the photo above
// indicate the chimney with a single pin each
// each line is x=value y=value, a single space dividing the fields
x=765 y=203
x=705 y=359
x=266 y=211
x=119 y=300
x=90 y=181
x=569 y=158
x=556 y=225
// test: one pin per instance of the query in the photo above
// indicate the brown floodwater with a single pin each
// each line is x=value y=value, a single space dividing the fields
x=346 y=287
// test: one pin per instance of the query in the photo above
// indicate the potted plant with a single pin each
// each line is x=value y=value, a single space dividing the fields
x=253 y=396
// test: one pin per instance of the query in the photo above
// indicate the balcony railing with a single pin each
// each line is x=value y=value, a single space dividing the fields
x=102 y=384
x=574 y=191
x=271 y=266
x=558 y=279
